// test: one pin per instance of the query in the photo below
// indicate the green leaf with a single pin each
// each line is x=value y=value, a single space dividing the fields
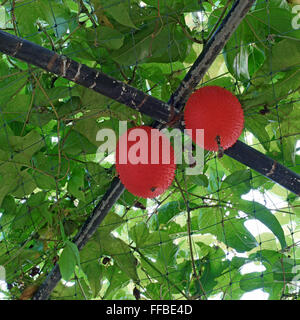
x=200 y=180
x=167 y=44
x=256 y=124
x=117 y=280
x=230 y=229
x=28 y=14
x=97 y=174
x=48 y=97
x=238 y=182
x=264 y=215
x=76 y=183
x=261 y=93
x=142 y=237
x=94 y=274
x=244 y=60
x=169 y=210
x=106 y=37
x=121 y=254
x=110 y=223
x=212 y=266
x=120 y=12
x=36 y=199
x=90 y=98
x=68 y=259
x=17 y=183
x=89 y=129
x=156 y=244
x=175 y=6
x=238 y=177
x=9 y=205
x=23 y=148
x=19 y=108
x=278 y=61
x=47 y=169
x=286 y=269
x=76 y=144
x=256 y=280
x=12 y=84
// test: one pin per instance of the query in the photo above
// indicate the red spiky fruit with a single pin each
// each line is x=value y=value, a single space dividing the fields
x=141 y=175
x=219 y=113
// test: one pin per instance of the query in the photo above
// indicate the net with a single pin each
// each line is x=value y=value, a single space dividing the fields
x=230 y=232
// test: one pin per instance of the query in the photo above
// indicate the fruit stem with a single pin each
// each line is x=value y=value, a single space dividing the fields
x=220 y=148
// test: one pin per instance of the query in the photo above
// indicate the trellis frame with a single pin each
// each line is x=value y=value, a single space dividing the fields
x=163 y=113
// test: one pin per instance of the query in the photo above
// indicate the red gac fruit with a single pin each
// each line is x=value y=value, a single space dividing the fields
x=141 y=176
x=219 y=113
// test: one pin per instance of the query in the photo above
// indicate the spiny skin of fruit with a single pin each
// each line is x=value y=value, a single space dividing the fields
x=146 y=180
x=218 y=112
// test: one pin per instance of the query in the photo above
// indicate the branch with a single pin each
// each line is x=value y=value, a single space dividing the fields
x=81 y=74
x=266 y=166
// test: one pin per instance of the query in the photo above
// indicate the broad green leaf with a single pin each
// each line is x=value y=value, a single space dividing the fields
x=121 y=254
x=200 y=180
x=25 y=184
x=278 y=61
x=68 y=259
x=156 y=244
x=117 y=280
x=11 y=82
x=48 y=97
x=111 y=222
x=20 y=109
x=264 y=215
x=17 y=183
x=229 y=229
x=286 y=269
x=27 y=15
x=212 y=266
x=169 y=210
x=89 y=129
x=261 y=93
x=289 y=126
x=106 y=37
x=49 y=169
x=256 y=280
x=142 y=237
x=9 y=205
x=76 y=183
x=120 y=11
x=257 y=126
x=90 y=98
x=77 y=144
x=94 y=273
x=165 y=44
x=21 y=149
x=240 y=176
x=243 y=59
x=175 y=6
x=97 y=174
x=128 y=199
x=8 y=187
x=238 y=182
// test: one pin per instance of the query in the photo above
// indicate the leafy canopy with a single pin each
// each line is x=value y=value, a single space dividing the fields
x=193 y=242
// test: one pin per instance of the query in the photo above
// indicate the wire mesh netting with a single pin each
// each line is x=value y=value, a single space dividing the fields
x=230 y=232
